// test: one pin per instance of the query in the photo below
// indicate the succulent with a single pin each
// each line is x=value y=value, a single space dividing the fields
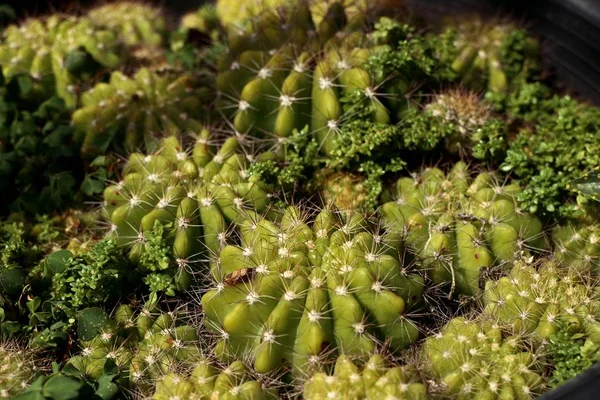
x=134 y=23
x=55 y=52
x=292 y=295
x=577 y=243
x=459 y=229
x=174 y=205
x=472 y=359
x=375 y=380
x=210 y=381
x=491 y=55
x=535 y=301
x=17 y=371
x=135 y=110
x=144 y=345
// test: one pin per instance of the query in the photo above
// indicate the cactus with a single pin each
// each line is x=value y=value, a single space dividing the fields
x=471 y=359
x=134 y=23
x=461 y=120
x=283 y=78
x=492 y=55
x=458 y=228
x=144 y=345
x=291 y=295
x=17 y=370
x=210 y=381
x=577 y=243
x=533 y=302
x=344 y=191
x=376 y=380
x=55 y=52
x=174 y=204
x=134 y=110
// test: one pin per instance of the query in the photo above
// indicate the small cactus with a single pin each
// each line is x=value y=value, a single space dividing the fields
x=471 y=359
x=458 y=228
x=134 y=110
x=183 y=200
x=533 y=302
x=17 y=370
x=134 y=23
x=55 y=51
x=209 y=381
x=291 y=295
x=144 y=345
x=376 y=380
x=492 y=54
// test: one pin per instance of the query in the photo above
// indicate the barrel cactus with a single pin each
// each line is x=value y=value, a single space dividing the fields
x=210 y=381
x=135 y=110
x=459 y=229
x=375 y=380
x=135 y=23
x=55 y=52
x=491 y=55
x=534 y=301
x=145 y=345
x=291 y=294
x=471 y=359
x=577 y=243
x=176 y=204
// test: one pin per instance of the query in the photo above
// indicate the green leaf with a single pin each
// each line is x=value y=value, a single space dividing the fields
x=588 y=185
x=12 y=281
x=90 y=321
x=57 y=261
x=62 y=388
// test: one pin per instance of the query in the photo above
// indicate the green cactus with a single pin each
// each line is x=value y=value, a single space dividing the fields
x=210 y=381
x=292 y=295
x=471 y=359
x=134 y=23
x=134 y=110
x=457 y=228
x=577 y=243
x=376 y=380
x=491 y=55
x=281 y=78
x=145 y=345
x=17 y=371
x=55 y=52
x=534 y=302
x=175 y=204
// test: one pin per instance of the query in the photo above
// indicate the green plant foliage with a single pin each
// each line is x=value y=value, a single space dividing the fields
x=40 y=168
x=570 y=354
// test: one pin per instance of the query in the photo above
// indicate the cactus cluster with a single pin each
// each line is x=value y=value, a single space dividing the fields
x=210 y=381
x=534 y=301
x=136 y=110
x=472 y=359
x=55 y=52
x=460 y=229
x=145 y=345
x=187 y=195
x=293 y=294
x=376 y=378
x=492 y=56
x=134 y=23
x=258 y=232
